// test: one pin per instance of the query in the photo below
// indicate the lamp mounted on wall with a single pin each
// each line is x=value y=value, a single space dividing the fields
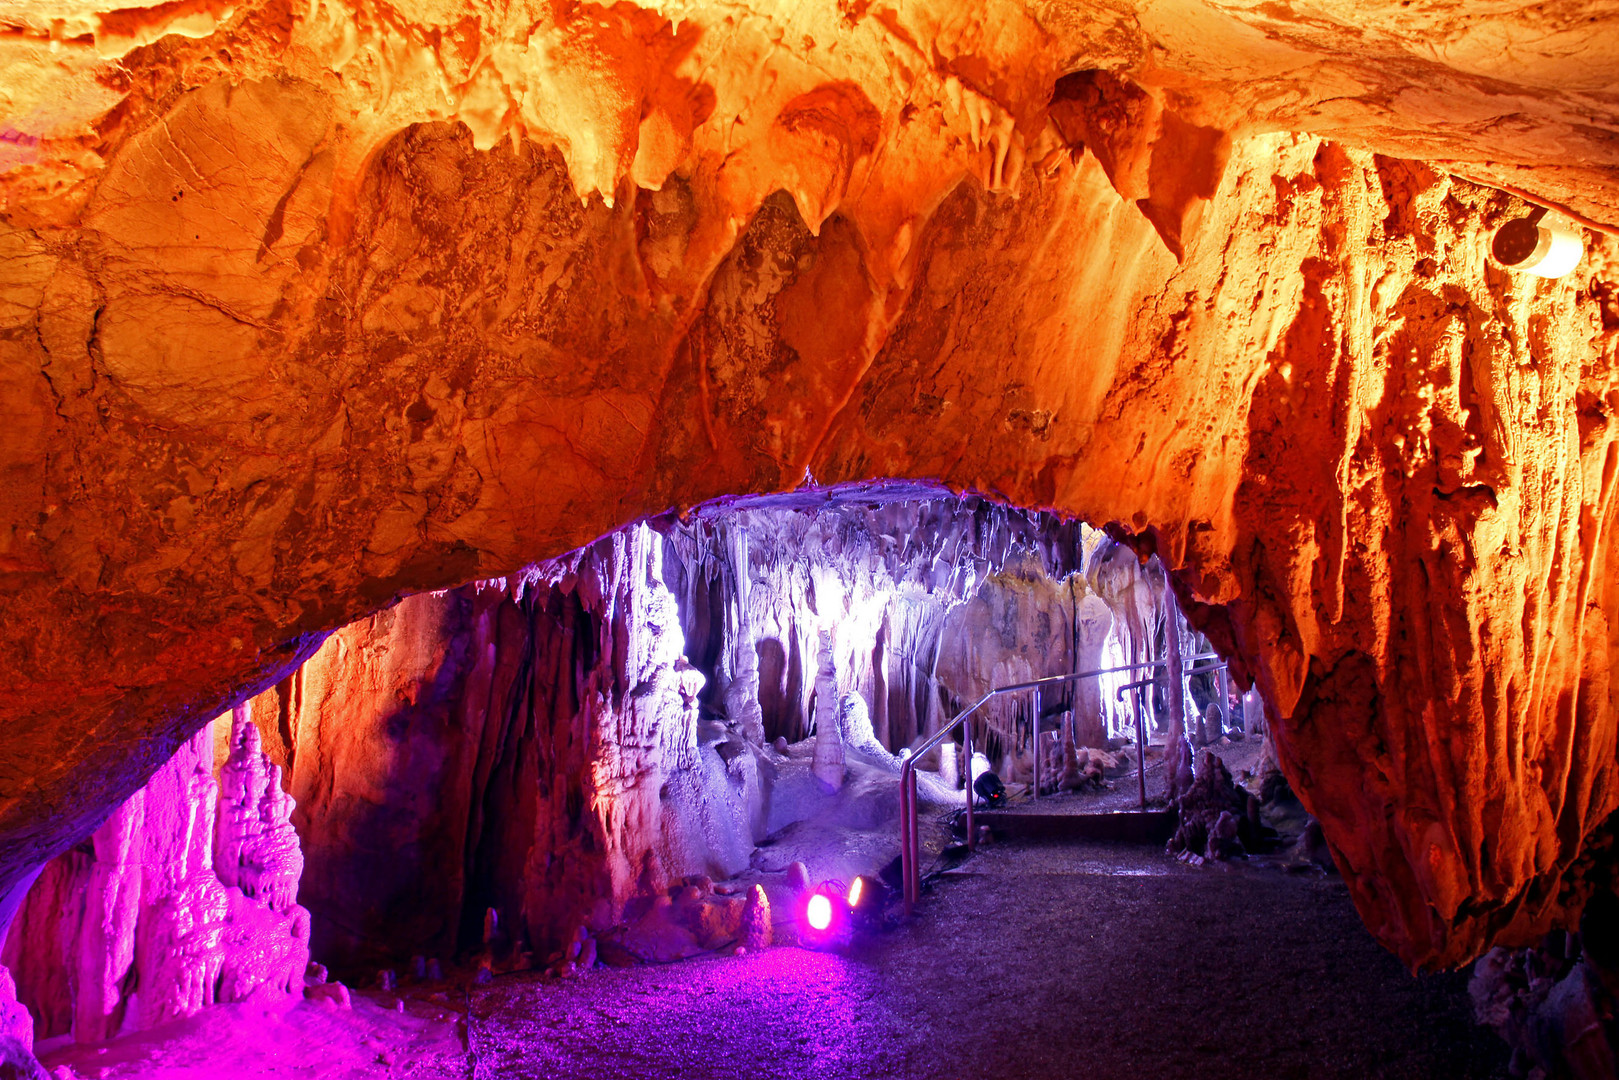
x=1543 y=243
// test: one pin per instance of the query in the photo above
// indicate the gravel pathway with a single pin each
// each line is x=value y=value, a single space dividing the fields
x=1077 y=960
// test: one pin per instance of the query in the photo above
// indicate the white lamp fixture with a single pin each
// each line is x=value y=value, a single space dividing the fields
x=1544 y=243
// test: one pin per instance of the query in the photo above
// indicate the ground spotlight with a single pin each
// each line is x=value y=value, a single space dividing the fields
x=818 y=913
x=823 y=916
x=868 y=900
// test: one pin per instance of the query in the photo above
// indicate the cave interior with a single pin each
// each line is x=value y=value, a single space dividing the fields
x=520 y=521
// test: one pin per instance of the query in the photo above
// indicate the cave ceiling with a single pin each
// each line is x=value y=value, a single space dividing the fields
x=308 y=306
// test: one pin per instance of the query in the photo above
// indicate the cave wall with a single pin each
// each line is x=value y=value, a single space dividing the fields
x=305 y=309
x=1017 y=627
x=378 y=735
x=880 y=571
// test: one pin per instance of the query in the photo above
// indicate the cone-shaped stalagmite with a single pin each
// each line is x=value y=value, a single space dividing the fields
x=756 y=929
x=828 y=730
x=742 y=696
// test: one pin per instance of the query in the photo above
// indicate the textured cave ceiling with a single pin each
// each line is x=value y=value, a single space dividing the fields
x=307 y=306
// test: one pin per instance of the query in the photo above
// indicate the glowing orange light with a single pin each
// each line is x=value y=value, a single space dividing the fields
x=820 y=912
x=854 y=892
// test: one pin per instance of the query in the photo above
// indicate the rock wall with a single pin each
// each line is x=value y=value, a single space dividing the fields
x=304 y=308
x=184 y=898
x=378 y=744
x=767 y=586
x=1020 y=626
x=917 y=606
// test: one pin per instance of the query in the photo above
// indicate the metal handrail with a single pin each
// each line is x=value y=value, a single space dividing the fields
x=910 y=840
x=1141 y=739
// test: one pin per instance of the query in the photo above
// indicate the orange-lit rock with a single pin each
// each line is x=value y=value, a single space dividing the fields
x=303 y=308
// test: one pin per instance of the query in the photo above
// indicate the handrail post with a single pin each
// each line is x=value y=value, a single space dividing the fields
x=1037 y=748
x=1141 y=749
x=916 y=845
x=907 y=834
x=967 y=744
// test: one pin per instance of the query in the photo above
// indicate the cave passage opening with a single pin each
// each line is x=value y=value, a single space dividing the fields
x=633 y=752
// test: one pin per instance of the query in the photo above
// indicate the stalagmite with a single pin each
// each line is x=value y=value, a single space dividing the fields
x=829 y=767
x=1072 y=778
x=256 y=847
x=742 y=696
x=757 y=930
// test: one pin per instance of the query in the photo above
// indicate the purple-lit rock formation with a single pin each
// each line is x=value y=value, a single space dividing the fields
x=16 y=1025
x=141 y=925
x=255 y=846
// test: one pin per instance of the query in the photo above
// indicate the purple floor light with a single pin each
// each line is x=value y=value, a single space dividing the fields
x=819 y=912
x=824 y=917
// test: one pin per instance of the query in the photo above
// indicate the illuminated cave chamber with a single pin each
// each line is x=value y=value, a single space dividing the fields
x=682 y=702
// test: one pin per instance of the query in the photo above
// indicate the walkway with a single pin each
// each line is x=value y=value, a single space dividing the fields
x=1052 y=962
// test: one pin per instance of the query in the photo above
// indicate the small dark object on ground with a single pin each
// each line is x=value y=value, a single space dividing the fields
x=955 y=854
x=989 y=789
x=893 y=875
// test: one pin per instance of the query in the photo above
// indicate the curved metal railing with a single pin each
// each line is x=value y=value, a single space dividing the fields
x=910 y=840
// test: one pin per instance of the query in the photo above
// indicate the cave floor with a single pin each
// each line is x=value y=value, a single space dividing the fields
x=379 y=1035
x=1123 y=788
x=1030 y=961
